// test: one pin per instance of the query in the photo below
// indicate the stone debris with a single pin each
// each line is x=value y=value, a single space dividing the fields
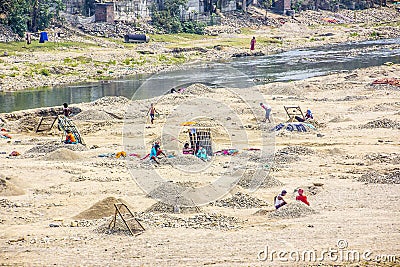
x=381 y=123
x=240 y=201
x=296 y=150
x=90 y=115
x=161 y=207
x=186 y=160
x=198 y=221
x=377 y=178
x=392 y=158
x=53 y=146
x=172 y=191
x=248 y=177
x=295 y=209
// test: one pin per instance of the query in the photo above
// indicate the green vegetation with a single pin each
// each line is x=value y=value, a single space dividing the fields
x=354 y=34
x=44 y=72
x=374 y=34
x=12 y=47
x=135 y=61
x=15 y=68
x=29 y=15
x=168 y=18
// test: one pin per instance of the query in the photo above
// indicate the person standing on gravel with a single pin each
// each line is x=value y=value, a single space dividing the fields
x=252 y=44
x=267 y=109
x=152 y=111
x=279 y=201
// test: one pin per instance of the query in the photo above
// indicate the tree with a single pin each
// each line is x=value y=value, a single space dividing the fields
x=32 y=15
x=167 y=17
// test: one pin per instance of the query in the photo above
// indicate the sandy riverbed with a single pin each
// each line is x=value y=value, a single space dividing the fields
x=348 y=168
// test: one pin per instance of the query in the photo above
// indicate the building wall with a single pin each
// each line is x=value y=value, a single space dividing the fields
x=104 y=13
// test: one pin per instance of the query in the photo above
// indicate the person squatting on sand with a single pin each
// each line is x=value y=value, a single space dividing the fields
x=187 y=150
x=202 y=153
x=279 y=201
x=267 y=109
x=70 y=138
x=302 y=197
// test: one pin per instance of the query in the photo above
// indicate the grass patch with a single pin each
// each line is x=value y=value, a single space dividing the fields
x=44 y=72
x=247 y=31
x=12 y=47
x=354 y=34
x=15 y=68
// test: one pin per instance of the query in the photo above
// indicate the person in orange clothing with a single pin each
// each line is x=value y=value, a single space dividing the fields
x=70 y=138
x=302 y=197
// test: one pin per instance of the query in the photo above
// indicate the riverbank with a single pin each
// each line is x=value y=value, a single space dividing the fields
x=78 y=57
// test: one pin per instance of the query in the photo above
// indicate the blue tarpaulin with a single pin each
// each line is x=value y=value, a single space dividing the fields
x=43 y=37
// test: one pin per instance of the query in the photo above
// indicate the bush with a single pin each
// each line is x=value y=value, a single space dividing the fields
x=44 y=72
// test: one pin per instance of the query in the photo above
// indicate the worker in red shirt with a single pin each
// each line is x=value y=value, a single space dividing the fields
x=302 y=197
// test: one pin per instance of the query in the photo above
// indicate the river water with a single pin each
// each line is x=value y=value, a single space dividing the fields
x=239 y=72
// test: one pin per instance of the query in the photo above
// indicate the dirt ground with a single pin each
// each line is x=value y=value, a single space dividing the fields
x=57 y=200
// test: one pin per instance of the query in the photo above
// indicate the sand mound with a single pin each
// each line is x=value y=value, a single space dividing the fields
x=9 y=189
x=62 y=154
x=103 y=208
x=292 y=210
x=240 y=201
x=376 y=178
x=93 y=115
x=161 y=207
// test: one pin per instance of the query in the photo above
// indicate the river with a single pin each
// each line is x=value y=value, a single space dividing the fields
x=238 y=72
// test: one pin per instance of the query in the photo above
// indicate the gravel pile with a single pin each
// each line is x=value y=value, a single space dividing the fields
x=105 y=178
x=182 y=160
x=198 y=221
x=392 y=158
x=376 y=178
x=382 y=123
x=161 y=207
x=95 y=127
x=93 y=115
x=171 y=190
x=114 y=101
x=296 y=150
x=292 y=210
x=240 y=201
x=268 y=182
x=197 y=89
x=47 y=148
x=285 y=158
